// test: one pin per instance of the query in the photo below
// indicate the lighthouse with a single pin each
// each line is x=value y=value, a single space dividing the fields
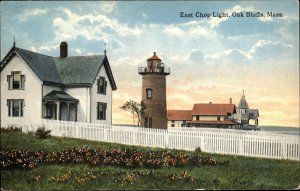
x=154 y=93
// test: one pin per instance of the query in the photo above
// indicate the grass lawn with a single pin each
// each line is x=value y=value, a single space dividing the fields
x=240 y=173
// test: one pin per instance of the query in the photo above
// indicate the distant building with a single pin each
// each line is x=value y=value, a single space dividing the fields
x=69 y=88
x=244 y=115
x=215 y=115
x=179 y=118
x=203 y=115
x=154 y=93
x=212 y=115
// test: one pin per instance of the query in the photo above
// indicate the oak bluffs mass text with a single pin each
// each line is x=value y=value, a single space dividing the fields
x=233 y=14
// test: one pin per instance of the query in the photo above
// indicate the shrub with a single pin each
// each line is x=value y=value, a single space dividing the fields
x=42 y=133
x=198 y=150
x=11 y=128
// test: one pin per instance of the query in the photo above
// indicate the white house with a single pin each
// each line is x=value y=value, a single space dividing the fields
x=36 y=86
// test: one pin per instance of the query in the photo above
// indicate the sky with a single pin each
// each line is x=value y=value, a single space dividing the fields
x=211 y=59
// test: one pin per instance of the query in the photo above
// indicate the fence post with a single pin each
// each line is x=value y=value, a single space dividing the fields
x=241 y=145
x=167 y=138
x=283 y=149
x=105 y=134
x=202 y=144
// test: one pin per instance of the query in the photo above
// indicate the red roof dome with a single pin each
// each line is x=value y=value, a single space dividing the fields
x=154 y=57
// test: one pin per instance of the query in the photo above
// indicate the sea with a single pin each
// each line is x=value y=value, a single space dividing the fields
x=281 y=130
x=271 y=129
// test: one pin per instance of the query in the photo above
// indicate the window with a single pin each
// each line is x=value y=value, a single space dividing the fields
x=102 y=84
x=149 y=93
x=16 y=81
x=101 y=111
x=148 y=122
x=218 y=118
x=173 y=121
x=197 y=117
x=172 y=125
x=15 y=107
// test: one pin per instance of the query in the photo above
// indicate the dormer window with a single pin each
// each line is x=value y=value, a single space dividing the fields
x=102 y=84
x=149 y=93
x=16 y=81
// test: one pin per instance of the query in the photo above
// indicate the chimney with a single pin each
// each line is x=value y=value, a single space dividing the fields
x=63 y=49
x=230 y=100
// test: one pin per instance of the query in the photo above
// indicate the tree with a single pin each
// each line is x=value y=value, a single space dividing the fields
x=137 y=109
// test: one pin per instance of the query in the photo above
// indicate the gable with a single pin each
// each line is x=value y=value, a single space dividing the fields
x=109 y=74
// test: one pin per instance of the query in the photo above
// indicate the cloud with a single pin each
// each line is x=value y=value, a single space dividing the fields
x=78 y=51
x=43 y=49
x=127 y=61
x=33 y=12
x=92 y=27
x=264 y=48
x=196 y=56
x=173 y=31
x=192 y=29
x=261 y=49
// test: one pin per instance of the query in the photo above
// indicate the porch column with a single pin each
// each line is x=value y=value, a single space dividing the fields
x=68 y=103
x=58 y=110
x=76 y=112
x=43 y=109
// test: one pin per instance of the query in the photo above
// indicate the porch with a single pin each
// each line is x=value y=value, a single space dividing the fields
x=58 y=105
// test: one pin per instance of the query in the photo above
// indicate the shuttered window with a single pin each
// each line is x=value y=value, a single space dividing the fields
x=101 y=111
x=102 y=84
x=16 y=81
x=15 y=107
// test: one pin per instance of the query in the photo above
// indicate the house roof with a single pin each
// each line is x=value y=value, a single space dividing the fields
x=154 y=57
x=243 y=103
x=77 y=70
x=179 y=115
x=210 y=109
x=59 y=95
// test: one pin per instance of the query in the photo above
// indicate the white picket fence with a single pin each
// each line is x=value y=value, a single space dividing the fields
x=221 y=141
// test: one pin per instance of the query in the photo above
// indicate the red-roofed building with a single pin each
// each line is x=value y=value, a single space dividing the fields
x=209 y=114
x=178 y=118
x=203 y=115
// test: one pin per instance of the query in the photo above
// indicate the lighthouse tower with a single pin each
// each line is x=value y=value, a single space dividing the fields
x=154 y=93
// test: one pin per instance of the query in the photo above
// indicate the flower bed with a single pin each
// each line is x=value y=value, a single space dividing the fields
x=130 y=158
